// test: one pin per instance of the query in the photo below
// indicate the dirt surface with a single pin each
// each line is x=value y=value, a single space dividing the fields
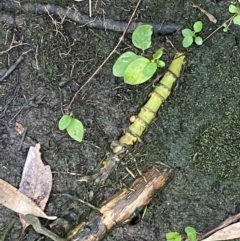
x=197 y=131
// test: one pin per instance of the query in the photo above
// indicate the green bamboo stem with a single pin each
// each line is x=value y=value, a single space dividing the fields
x=157 y=97
x=144 y=118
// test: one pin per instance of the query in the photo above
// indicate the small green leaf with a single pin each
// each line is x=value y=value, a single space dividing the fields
x=225 y=27
x=173 y=236
x=64 y=122
x=158 y=54
x=236 y=20
x=76 y=130
x=197 y=27
x=187 y=32
x=141 y=37
x=191 y=233
x=138 y=71
x=150 y=69
x=198 y=40
x=187 y=41
x=160 y=63
x=232 y=8
x=122 y=62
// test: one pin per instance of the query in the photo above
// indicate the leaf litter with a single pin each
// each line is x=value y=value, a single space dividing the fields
x=34 y=190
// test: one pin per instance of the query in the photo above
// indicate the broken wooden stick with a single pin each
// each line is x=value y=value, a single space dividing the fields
x=121 y=207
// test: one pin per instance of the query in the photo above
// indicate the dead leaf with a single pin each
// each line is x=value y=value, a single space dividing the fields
x=209 y=15
x=36 y=182
x=230 y=232
x=13 y=199
x=19 y=128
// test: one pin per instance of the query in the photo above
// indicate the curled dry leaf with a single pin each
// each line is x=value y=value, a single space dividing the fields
x=229 y=232
x=13 y=199
x=36 y=182
x=209 y=15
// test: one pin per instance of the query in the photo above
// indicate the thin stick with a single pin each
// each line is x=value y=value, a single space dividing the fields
x=212 y=33
x=90 y=8
x=104 y=62
x=13 y=67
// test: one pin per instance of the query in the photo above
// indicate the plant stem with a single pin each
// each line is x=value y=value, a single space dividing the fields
x=211 y=34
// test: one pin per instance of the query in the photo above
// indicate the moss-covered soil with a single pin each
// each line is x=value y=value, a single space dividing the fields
x=197 y=132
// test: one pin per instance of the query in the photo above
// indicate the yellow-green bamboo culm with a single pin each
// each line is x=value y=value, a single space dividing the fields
x=143 y=119
x=157 y=97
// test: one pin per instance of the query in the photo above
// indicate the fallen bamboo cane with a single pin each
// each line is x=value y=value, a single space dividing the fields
x=146 y=115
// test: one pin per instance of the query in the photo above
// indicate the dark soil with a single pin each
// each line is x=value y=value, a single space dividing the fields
x=197 y=132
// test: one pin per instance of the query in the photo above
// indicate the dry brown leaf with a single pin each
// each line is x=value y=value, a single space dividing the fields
x=230 y=232
x=19 y=128
x=13 y=199
x=209 y=15
x=36 y=182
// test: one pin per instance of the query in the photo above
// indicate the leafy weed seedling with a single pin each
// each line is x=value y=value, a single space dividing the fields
x=74 y=127
x=225 y=27
x=175 y=236
x=136 y=69
x=191 y=36
x=235 y=10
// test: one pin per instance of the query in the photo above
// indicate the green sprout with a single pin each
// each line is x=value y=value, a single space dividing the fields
x=191 y=233
x=235 y=10
x=225 y=27
x=191 y=36
x=175 y=236
x=74 y=127
x=136 y=69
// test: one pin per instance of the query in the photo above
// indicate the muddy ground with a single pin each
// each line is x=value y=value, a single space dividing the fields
x=197 y=132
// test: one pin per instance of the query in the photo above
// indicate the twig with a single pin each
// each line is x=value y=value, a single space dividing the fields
x=212 y=33
x=23 y=137
x=82 y=201
x=225 y=223
x=90 y=8
x=103 y=63
x=13 y=67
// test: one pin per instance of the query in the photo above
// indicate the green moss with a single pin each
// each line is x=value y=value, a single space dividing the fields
x=218 y=149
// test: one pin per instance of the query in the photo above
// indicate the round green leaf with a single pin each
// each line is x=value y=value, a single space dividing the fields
x=187 y=41
x=187 y=32
x=139 y=71
x=76 y=130
x=191 y=233
x=122 y=62
x=198 y=40
x=236 y=20
x=232 y=8
x=197 y=27
x=158 y=54
x=141 y=37
x=160 y=63
x=64 y=122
